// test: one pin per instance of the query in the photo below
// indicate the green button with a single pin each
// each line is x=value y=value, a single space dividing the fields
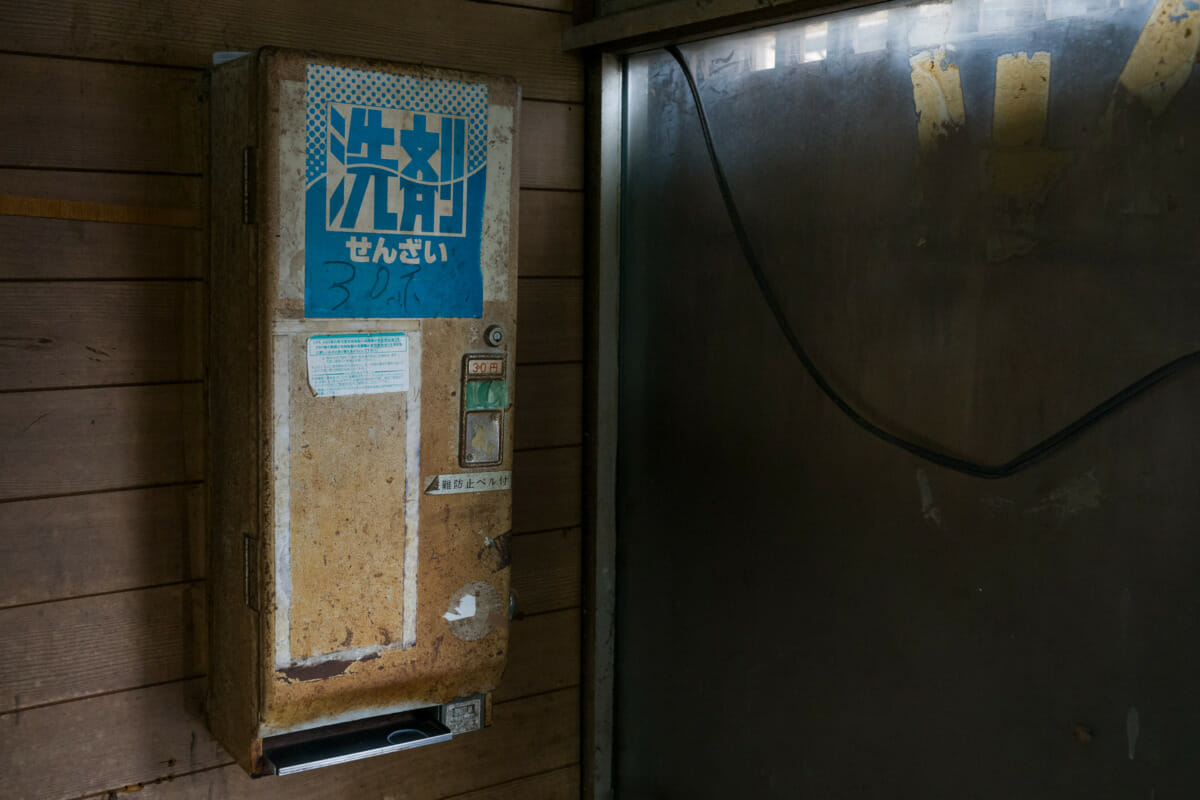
x=485 y=395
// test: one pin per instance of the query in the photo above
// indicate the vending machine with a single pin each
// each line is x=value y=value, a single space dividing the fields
x=361 y=357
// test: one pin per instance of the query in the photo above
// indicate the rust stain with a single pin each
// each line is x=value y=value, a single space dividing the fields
x=937 y=97
x=500 y=550
x=1161 y=60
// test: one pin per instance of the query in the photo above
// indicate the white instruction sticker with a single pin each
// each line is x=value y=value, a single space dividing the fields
x=470 y=482
x=358 y=363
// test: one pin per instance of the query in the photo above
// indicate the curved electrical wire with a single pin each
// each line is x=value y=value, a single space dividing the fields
x=965 y=466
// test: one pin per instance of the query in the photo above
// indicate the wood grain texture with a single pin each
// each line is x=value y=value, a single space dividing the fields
x=76 y=648
x=67 y=248
x=551 y=145
x=156 y=734
x=543 y=654
x=558 y=784
x=546 y=489
x=546 y=573
x=108 y=742
x=497 y=39
x=55 y=335
x=90 y=115
x=87 y=544
x=86 y=440
x=550 y=315
x=122 y=189
x=551 y=234
x=87 y=646
x=64 y=547
x=549 y=399
x=60 y=334
x=43 y=208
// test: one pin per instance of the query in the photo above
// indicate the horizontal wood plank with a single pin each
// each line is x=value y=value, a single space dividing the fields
x=550 y=320
x=76 y=648
x=73 y=749
x=551 y=231
x=551 y=145
x=158 y=738
x=559 y=784
x=183 y=192
x=88 y=115
x=549 y=402
x=546 y=570
x=86 y=440
x=68 y=248
x=550 y=234
x=62 y=333
x=546 y=489
x=543 y=654
x=490 y=38
x=64 y=547
x=82 y=647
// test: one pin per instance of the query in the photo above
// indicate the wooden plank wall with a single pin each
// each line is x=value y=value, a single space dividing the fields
x=103 y=164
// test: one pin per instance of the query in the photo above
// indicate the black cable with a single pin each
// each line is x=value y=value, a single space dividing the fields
x=1010 y=467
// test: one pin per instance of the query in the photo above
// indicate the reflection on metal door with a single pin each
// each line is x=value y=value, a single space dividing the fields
x=982 y=218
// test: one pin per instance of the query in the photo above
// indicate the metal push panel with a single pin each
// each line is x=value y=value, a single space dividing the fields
x=362 y=346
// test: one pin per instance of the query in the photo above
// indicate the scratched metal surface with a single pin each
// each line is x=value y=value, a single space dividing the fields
x=345 y=459
x=804 y=611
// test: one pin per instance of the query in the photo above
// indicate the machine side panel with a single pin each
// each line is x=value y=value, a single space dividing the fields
x=234 y=571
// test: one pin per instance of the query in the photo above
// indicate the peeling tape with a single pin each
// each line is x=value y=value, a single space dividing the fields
x=1162 y=58
x=474 y=611
x=412 y=493
x=1021 y=100
x=281 y=459
x=937 y=97
x=496 y=206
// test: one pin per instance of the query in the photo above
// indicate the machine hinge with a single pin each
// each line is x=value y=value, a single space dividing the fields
x=249 y=184
x=250 y=570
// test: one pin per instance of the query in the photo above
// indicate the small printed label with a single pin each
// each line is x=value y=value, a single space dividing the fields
x=362 y=363
x=485 y=366
x=470 y=482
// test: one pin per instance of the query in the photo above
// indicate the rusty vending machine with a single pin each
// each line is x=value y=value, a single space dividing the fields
x=363 y=321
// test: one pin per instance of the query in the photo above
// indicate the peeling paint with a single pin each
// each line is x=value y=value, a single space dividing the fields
x=1078 y=494
x=1161 y=61
x=937 y=97
x=1021 y=100
x=499 y=549
x=928 y=510
x=1020 y=166
x=318 y=671
x=997 y=502
x=1125 y=611
x=1133 y=727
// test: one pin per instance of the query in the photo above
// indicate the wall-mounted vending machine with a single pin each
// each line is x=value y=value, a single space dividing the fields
x=363 y=320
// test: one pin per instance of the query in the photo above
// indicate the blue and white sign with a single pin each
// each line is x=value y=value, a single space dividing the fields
x=395 y=178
